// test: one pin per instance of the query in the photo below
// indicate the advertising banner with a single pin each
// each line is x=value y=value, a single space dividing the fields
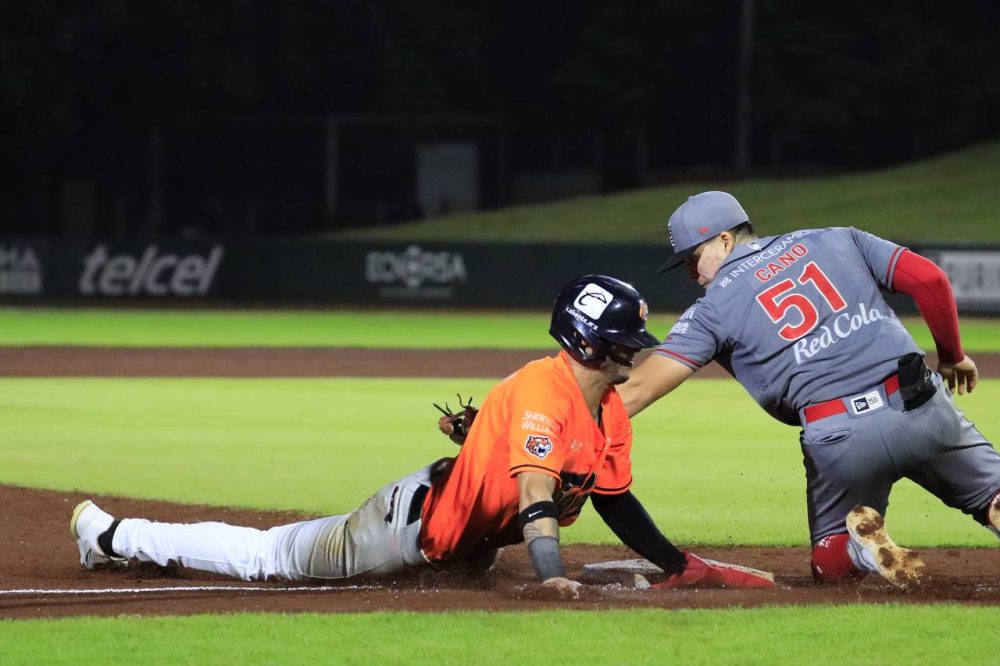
x=434 y=274
x=975 y=278
x=20 y=269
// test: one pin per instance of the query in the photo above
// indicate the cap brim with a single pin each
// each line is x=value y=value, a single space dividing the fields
x=676 y=260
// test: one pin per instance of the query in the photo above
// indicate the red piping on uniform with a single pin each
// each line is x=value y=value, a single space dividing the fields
x=888 y=270
x=683 y=358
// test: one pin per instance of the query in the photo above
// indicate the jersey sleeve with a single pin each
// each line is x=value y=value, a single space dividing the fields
x=615 y=475
x=539 y=410
x=696 y=338
x=880 y=255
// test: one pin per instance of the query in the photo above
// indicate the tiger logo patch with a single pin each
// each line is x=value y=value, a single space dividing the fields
x=538 y=446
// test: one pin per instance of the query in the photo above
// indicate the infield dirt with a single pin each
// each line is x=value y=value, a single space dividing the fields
x=39 y=553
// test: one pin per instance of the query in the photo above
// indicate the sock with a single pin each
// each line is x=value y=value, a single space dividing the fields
x=104 y=540
x=831 y=561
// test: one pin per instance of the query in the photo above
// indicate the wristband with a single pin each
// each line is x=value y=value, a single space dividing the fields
x=544 y=552
x=546 y=509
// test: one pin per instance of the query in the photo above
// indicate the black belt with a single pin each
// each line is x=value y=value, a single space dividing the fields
x=417 y=504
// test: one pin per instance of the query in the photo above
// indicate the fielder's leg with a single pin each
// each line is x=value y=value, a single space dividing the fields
x=993 y=515
x=942 y=451
x=844 y=468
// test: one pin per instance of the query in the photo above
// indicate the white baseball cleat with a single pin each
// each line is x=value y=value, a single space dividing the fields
x=88 y=523
x=871 y=549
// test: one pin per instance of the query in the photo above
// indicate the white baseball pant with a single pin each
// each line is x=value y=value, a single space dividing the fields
x=374 y=539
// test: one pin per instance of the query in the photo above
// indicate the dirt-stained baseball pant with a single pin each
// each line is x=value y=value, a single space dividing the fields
x=855 y=458
x=378 y=538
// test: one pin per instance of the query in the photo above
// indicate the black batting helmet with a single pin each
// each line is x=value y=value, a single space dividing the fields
x=595 y=311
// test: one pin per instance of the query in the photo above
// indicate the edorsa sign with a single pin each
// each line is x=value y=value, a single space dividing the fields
x=150 y=272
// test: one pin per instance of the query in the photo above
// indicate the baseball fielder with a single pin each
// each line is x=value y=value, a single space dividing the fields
x=799 y=321
x=546 y=438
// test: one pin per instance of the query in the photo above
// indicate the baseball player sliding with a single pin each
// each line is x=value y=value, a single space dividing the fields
x=799 y=321
x=546 y=438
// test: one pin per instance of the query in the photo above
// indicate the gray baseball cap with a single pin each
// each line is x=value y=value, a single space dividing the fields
x=702 y=217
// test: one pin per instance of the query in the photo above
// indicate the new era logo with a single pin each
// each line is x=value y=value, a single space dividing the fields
x=703 y=230
x=867 y=402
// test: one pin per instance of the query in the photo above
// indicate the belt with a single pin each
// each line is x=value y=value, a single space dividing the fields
x=836 y=406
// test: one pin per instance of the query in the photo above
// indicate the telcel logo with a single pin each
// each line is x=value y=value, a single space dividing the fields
x=153 y=274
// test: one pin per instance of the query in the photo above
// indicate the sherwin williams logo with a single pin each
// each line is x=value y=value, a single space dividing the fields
x=415 y=267
x=20 y=271
x=152 y=274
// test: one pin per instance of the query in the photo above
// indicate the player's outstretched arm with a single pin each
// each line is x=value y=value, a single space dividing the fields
x=630 y=522
x=627 y=518
x=928 y=285
x=964 y=375
x=539 y=522
x=657 y=376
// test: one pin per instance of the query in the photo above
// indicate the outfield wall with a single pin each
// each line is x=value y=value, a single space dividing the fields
x=300 y=272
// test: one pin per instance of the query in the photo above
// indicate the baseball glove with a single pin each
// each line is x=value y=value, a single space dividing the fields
x=457 y=424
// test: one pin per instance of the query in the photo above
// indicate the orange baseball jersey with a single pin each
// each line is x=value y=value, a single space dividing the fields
x=536 y=420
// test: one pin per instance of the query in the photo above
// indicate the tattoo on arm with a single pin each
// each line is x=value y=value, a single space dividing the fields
x=532 y=531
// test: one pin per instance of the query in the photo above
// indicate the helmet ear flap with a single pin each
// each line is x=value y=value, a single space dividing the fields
x=580 y=339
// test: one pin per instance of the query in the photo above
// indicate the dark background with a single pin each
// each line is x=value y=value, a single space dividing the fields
x=189 y=117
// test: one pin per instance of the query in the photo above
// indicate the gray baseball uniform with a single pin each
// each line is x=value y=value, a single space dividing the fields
x=799 y=320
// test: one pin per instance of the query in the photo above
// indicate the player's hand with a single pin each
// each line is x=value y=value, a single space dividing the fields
x=566 y=588
x=963 y=374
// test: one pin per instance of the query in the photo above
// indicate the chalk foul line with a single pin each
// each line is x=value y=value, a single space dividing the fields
x=187 y=588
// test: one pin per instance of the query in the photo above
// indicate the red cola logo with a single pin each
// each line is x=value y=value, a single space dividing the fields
x=843 y=327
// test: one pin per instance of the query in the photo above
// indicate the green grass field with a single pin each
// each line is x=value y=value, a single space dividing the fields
x=949 y=199
x=309 y=444
x=284 y=444
x=441 y=330
x=861 y=634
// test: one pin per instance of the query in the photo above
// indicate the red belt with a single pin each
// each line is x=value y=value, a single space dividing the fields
x=836 y=406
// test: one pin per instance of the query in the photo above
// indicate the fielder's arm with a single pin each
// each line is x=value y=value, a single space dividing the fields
x=928 y=286
x=540 y=526
x=657 y=376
